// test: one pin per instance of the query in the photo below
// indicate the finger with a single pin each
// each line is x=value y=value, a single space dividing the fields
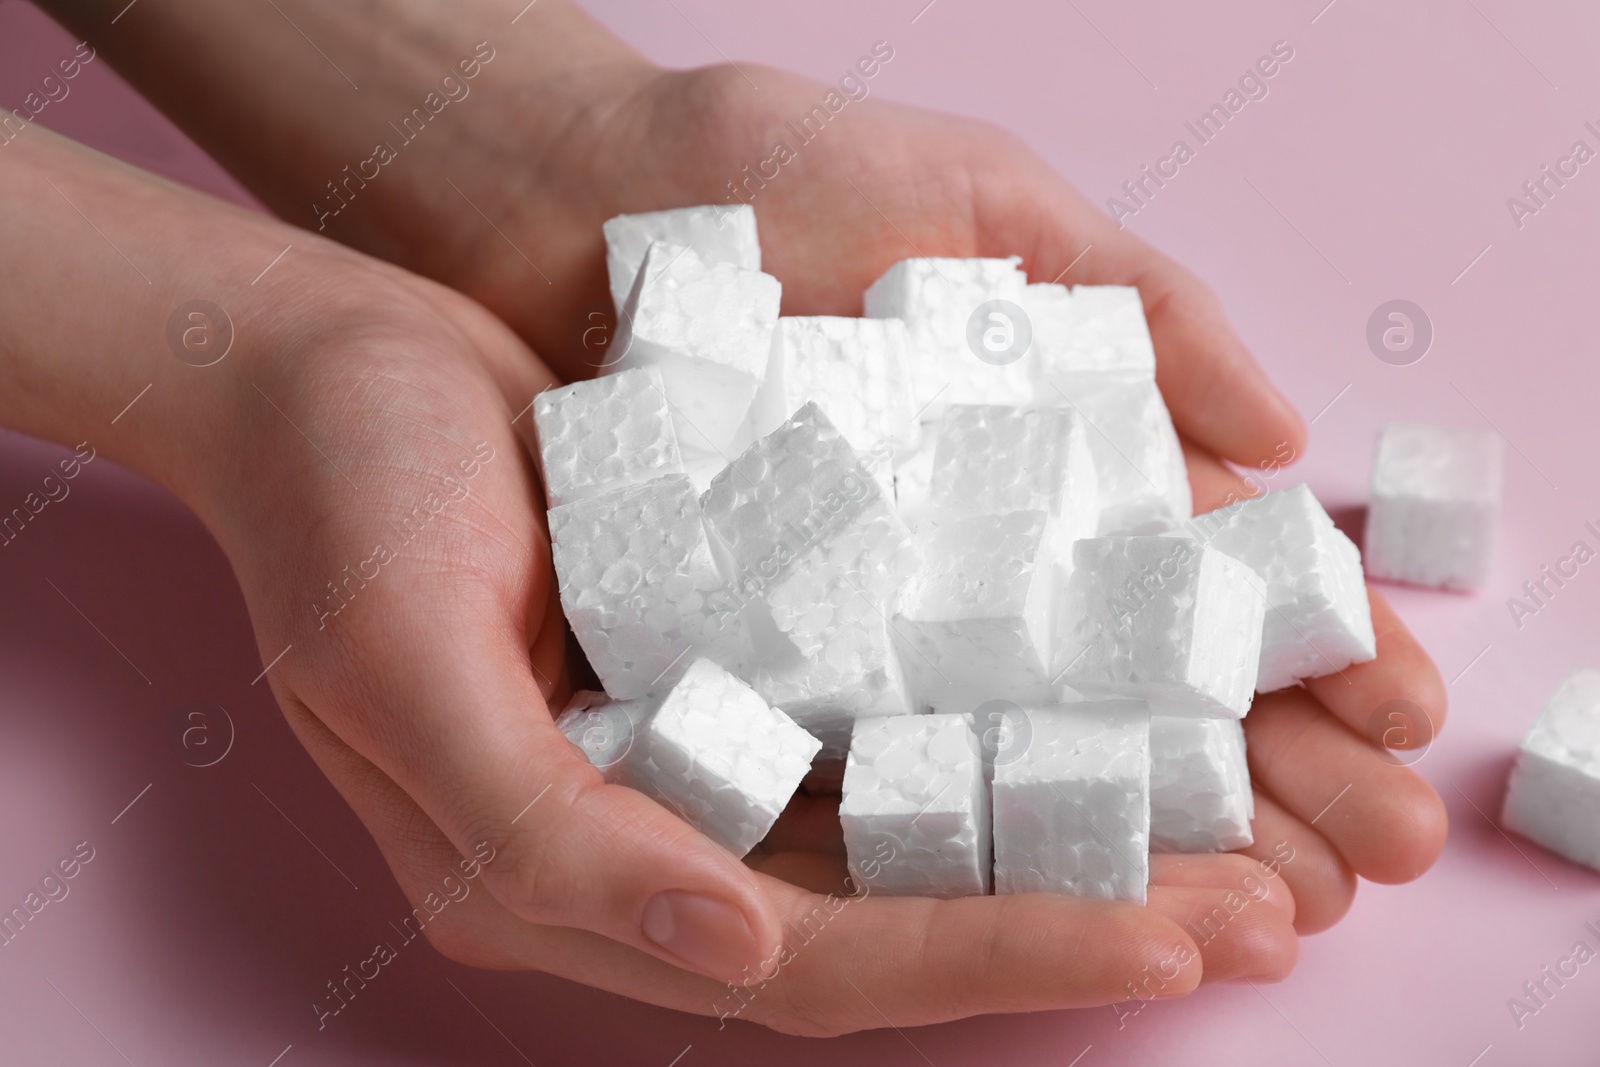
x=1396 y=700
x=1239 y=936
x=1385 y=820
x=1219 y=396
x=1287 y=848
x=1224 y=870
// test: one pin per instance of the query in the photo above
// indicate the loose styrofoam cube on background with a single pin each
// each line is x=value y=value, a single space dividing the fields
x=938 y=299
x=603 y=434
x=713 y=751
x=857 y=370
x=855 y=675
x=1089 y=329
x=1553 y=796
x=973 y=622
x=1435 y=505
x=1200 y=795
x=915 y=809
x=1144 y=484
x=1318 y=618
x=1072 y=801
x=719 y=233
x=639 y=586
x=991 y=459
x=1162 y=619
x=707 y=327
x=808 y=532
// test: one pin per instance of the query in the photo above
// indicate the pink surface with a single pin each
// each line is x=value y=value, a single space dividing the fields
x=1378 y=167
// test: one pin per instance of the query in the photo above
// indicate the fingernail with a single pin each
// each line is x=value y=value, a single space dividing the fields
x=709 y=935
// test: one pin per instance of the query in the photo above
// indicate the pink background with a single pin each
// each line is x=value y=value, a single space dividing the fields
x=1378 y=167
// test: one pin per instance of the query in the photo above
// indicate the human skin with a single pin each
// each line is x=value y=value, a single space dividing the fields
x=357 y=386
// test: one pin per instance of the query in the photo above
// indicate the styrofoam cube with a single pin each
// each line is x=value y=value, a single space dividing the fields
x=991 y=459
x=857 y=370
x=1089 y=329
x=604 y=434
x=1318 y=619
x=938 y=298
x=1072 y=802
x=913 y=478
x=1435 y=505
x=1144 y=483
x=1162 y=619
x=1553 y=796
x=808 y=532
x=603 y=728
x=1200 y=795
x=713 y=751
x=973 y=622
x=707 y=327
x=719 y=233
x=915 y=810
x=855 y=675
x=639 y=586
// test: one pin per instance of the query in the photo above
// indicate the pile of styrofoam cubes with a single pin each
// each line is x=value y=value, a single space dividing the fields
x=947 y=545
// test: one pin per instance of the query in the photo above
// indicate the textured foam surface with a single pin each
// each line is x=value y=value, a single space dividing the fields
x=1144 y=485
x=915 y=810
x=1163 y=619
x=808 y=532
x=1318 y=619
x=937 y=298
x=708 y=328
x=639 y=586
x=974 y=621
x=603 y=434
x=1089 y=329
x=855 y=675
x=1200 y=796
x=993 y=459
x=857 y=371
x=1072 y=801
x=1553 y=796
x=1435 y=505
x=714 y=752
x=719 y=233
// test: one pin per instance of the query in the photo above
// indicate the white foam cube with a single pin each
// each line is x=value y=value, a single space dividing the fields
x=1144 y=484
x=604 y=434
x=855 y=675
x=915 y=810
x=1318 y=618
x=993 y=459
x=1162 y=619
x=974 y=622
x=1200 y=795
x=857 y=370
x=714 y=752
x=913 y=478
x=707 y=327
x=1553 y=796
x=938 y=299
x=808 y=532
x=719 y=233
x=603 y=728
x=639 y=586
x=1089 y=329
x=1072 y=801
x=1435 y=505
